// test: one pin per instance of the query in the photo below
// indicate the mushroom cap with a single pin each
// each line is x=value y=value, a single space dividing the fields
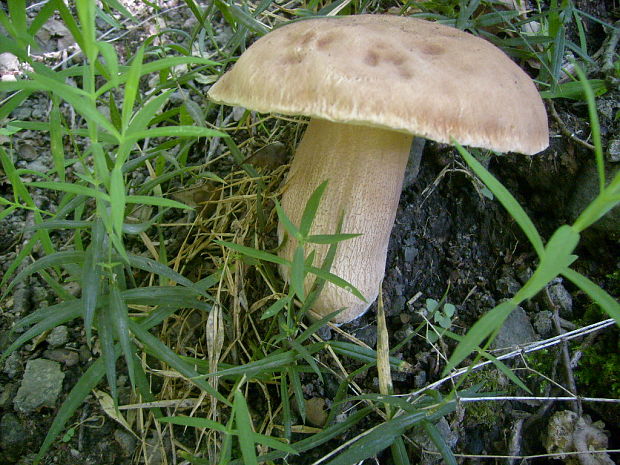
x=406 y=74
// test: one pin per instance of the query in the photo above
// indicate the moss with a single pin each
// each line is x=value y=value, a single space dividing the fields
x=598 y=372
x=491 y=382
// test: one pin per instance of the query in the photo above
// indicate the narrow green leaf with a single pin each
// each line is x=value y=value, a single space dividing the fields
x=108 y=52
x=298 y=272
x=316 y=440
x=254 y=253
x=301 y=350
x=290 y=228
x=399 y=452
x=437 y=439
x=598 y=295
x=153 y=266
x=574 y=90
x=556 y=257
x=482 y=329
x=330 y=238
x=297 y=391
x=275 y=308
x=87 y=382
x=287 y=420
x=195 y=422
x=86 y=13
x=363 y=354
x=73 y=189
x=311 y=208
x=158 y=201
x=63 y=314
x=505 y=198
x=146 y=113
x=273 y=443
x=56 y=144
x=131 y=87
x=166 y=355
x=120 y=324
x=174 y=131
x=247 y=20
x=91 y=275
x=243 y=422
x=117 y=199
x=373 y=441
x=52 y=260
x=595 y=125
x=105 y=329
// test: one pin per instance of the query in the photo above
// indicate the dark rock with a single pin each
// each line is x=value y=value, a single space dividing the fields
x=368 y=335
x=65 y=356
x=586 y=189
x=13 y=438
x=126 y=441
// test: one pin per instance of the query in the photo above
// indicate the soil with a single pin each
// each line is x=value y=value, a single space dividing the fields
x=450 y=241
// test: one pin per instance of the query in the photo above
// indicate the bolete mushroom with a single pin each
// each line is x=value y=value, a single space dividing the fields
x=370 y=83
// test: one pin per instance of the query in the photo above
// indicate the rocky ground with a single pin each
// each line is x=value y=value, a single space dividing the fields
x=450 y=239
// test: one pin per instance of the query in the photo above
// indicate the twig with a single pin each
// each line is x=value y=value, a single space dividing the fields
x=564 y=129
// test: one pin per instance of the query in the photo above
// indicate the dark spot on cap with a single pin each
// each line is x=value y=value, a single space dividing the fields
x=292 y=58
x=325 y=41
x=372 y=58
x=432 y=49
x=307 y=37
x=404 y=72
x=396 y=59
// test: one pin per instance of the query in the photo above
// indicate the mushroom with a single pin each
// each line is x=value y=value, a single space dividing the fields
x=370 y=83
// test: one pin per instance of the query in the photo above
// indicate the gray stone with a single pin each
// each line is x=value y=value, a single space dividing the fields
x=325 y=333
x=12 y=365
x=420 y=437
x=40 y=387
x=613 y=151
x=38 y=165
x=517 y=330
x=13 y=437
x=419 y=380
x=558 y=297
x=543 y=323
x=126 y=441
x=27 y=152
x=508 y=286
x=58 y=336
x=22 y=113
x=586 y=189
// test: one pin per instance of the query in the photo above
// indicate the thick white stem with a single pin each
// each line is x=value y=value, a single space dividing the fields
x=364 y=168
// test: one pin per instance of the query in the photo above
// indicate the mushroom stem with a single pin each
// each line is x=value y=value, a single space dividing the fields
x=364 y=167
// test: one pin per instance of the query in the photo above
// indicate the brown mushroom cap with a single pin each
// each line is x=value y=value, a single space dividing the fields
x=400 y=73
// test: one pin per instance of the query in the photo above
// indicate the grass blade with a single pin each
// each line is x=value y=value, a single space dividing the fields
x=246 y=431
x=120 y=325
x=606 y=301
x=166 y=355
x=440 y=443
x=505 y=198
x=80 y=391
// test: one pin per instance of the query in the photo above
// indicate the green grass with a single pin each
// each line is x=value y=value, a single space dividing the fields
x=134 y=290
